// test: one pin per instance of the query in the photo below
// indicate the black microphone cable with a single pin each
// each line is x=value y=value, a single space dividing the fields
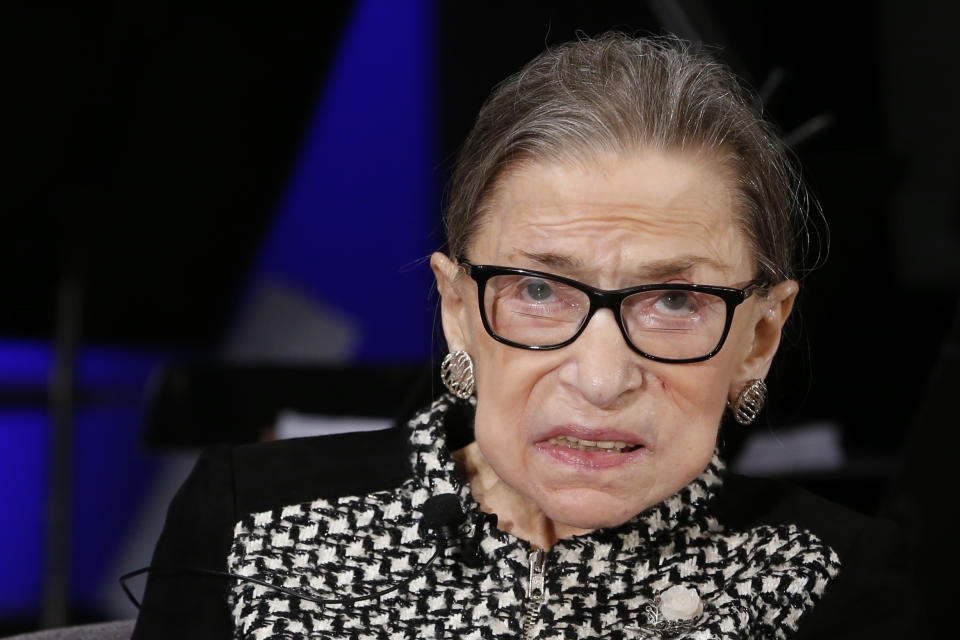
x=441 y=512
x=169 y=573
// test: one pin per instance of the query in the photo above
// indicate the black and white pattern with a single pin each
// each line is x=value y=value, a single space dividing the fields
x=754 y=583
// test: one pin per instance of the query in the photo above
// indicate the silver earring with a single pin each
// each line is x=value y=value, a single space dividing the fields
x=749 y=402
x=456 y=371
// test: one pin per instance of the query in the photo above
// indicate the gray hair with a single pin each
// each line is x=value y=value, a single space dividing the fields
x=621 y=94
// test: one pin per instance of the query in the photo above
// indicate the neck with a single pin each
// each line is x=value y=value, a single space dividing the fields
x=517 y=514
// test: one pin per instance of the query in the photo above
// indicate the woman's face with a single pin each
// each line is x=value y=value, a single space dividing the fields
x=618 y=222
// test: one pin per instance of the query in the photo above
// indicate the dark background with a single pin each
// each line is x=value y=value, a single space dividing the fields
x=145 y=148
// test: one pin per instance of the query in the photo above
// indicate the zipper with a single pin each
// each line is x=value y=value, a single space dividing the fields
x=536 y=590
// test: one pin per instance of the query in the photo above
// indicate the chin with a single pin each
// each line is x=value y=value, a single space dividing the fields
x=586 y=510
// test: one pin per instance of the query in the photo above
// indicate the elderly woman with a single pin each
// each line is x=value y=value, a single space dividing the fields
x=621 y=229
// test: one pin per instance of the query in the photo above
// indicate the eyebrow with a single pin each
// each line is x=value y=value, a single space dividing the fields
x=554 y=260
x=663 y=269
x=652 y=271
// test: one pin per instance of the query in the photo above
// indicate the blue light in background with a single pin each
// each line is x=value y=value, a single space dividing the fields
x=110 y=472
x=27 y=364
x=360 y=216
x=361 y=204
x=23 y=467
x=24 y=363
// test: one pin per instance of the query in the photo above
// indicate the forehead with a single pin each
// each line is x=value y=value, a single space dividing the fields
x=617 y=214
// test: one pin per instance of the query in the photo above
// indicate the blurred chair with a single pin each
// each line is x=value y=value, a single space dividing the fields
x=197 y=405
x=193 y=405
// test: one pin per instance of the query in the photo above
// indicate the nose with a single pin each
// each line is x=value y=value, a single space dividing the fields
x=601 y=367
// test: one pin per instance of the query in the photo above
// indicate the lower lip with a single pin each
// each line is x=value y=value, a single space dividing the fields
x=589 y=459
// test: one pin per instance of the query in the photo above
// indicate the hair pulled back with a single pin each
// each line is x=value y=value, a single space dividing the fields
x=621 y=95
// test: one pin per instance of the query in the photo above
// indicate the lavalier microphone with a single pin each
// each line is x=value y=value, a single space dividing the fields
x=443 y=514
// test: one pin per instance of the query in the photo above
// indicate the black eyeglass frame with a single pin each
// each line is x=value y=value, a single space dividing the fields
x=608 y=299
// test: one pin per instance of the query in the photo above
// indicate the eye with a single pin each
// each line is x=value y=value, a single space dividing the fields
x=676 y=303
x=538 y=291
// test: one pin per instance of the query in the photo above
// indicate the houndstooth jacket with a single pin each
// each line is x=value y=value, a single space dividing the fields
x=758 y=567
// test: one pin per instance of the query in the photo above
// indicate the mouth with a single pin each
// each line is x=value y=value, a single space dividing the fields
x=593 y=446
x=596 y=449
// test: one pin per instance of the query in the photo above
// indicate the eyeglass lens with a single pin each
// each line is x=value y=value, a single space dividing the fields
x=540 y=312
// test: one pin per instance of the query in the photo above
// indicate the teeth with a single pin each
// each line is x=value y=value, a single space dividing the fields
x=591 y=445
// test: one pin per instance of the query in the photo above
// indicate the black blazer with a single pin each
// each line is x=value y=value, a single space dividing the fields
x=871 y=598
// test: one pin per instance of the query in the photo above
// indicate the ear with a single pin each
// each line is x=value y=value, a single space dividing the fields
x=452 y=304
x=772 y=313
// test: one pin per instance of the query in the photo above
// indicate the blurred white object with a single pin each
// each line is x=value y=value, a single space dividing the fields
x=280 y=323
x=291 y=424
x=813 y=447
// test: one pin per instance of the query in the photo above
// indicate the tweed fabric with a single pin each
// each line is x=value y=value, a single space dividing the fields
x=754 y=583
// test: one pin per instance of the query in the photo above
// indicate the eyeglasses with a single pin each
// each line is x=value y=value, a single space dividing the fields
x=664 y=322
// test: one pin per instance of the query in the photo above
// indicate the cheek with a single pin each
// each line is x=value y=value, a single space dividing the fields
x=695 y=390
x=511 y=383
x=499 y=434
x=506 y=376
x=689 y=416
x=704 y=387
x=514 y=388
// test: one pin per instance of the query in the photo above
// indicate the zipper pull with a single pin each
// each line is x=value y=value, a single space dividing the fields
x=536 y=587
